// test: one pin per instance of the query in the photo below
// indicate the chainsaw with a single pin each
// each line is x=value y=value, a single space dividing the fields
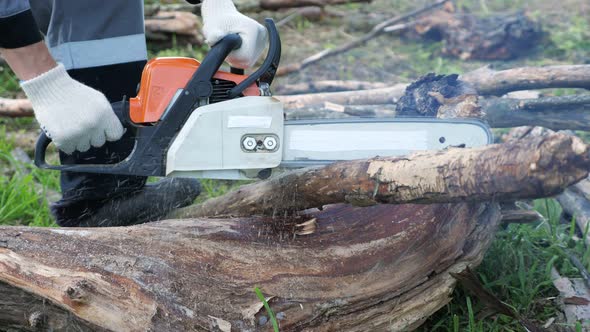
x=191 y=119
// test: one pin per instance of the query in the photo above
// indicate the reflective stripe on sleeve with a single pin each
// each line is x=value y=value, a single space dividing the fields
x=101 y=52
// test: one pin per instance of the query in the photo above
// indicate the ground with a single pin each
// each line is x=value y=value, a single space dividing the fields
x=516 y=268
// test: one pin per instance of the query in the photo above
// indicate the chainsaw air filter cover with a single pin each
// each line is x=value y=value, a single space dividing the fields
x=164 y=78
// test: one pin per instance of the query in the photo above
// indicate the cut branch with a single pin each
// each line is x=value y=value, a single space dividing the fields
x=536 y=167
x=328 y=86
x=490 y=82
x=557 y=113
x=15 y=108
x=362 y=97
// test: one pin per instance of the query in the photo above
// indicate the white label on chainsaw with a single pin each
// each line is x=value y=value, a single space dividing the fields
x=242 y=121
x=333 y=141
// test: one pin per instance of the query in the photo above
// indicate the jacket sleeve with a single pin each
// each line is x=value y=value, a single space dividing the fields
x=17 y=24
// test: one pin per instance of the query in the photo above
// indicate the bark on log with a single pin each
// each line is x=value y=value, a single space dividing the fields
x=250 y=5
x=575 y=203
x=363 y=97
x=328 y=86
x=491 y=82
x=557 y=113
x=177 y=26
x=15 y=108
x=281 y=4
x=384 y=267
x=531 y=168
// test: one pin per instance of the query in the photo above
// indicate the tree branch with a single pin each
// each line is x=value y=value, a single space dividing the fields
x=536 y=167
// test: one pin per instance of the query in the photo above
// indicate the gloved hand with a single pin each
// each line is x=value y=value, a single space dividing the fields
x=72 y=114
x=220 y=18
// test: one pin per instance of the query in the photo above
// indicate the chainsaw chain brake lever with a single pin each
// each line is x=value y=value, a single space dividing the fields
x=148 y=157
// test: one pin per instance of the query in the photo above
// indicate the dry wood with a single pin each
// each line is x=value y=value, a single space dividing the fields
x=557 y=113
x=574 y=299
x=328 y=86
x=375 y=32
x=520 y=216
x=15 y=108
x=536 y=167
x=363 y=97
x=281 y=4
x=250 y=5
x=491 y=82
x=385 y=266
x=576 y=204
x=184 y=27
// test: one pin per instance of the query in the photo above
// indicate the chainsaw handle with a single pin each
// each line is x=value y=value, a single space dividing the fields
x=44 y=141
x=266 y=72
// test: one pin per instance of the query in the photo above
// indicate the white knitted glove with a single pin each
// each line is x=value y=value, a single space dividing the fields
x=221 y=18
x=72 y=114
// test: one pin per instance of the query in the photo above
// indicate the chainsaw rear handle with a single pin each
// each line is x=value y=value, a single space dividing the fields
x=148 y=157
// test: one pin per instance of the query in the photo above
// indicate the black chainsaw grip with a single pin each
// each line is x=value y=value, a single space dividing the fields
x=41 y=149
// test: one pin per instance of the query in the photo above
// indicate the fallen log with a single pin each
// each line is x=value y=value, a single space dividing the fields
x=576 y=204
x=386 y=95
x=166 y=28
x=251 y=5
x=531 y=168
x=382 y=267
x=282 y=4
x=15 y=108
x=557 y=113
x=491 y=82
x=327 y=86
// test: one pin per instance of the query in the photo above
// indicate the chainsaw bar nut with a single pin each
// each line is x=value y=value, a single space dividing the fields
x=249 y=143
x=270 y=143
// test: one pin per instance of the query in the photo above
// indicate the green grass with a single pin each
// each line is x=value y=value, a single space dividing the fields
x=517 y=269
x=269 y=311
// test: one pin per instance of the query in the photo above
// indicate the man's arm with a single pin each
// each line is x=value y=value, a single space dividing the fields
x=75 y=116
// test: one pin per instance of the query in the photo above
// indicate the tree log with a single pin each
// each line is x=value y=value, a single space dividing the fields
x=363 y=97
x=532 y=168
x=177 y=26
x=328 y=86
x=490 y=82
x=557 y=113
x=281 y=4
x=575 y=203
x=384 y=267
x=15 y=108
x=250 y=5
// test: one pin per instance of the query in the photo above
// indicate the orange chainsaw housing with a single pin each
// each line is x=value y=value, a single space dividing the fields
x=162 y=78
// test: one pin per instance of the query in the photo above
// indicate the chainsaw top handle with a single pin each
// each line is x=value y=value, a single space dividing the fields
x=148 y=157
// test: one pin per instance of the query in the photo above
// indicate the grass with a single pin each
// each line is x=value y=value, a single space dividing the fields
x=269 y=311
x=517 y=269
x=518 y=264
